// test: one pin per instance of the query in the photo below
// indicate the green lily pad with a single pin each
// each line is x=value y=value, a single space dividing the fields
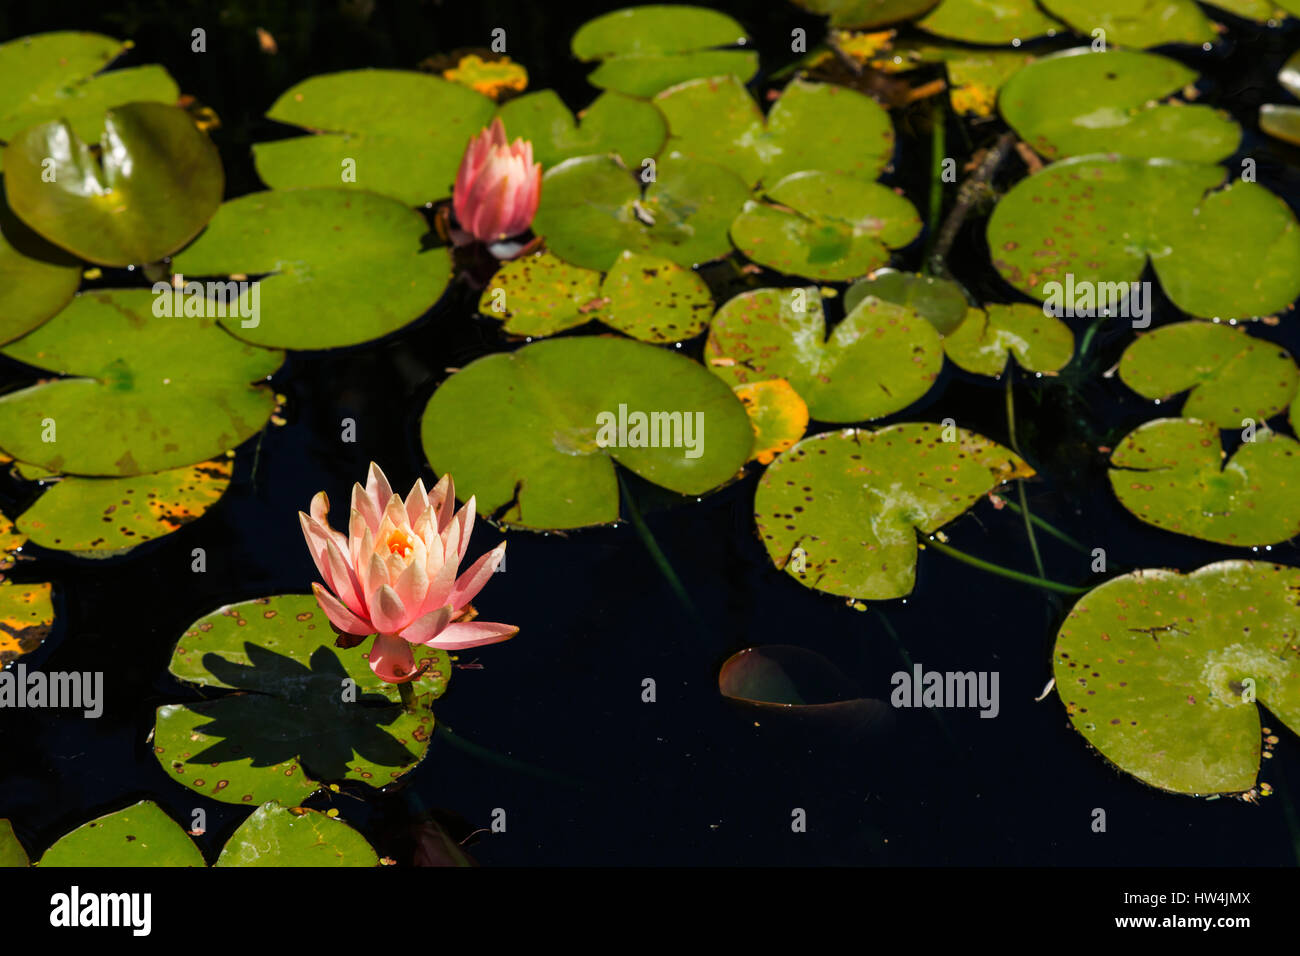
x=991 y=22
x=592 y=210
x=1280 y=122
x=102 y=517
x=1232 y=252
x=1141 y=24
x=37 y=278
x=881 y=358
x=812 y=126
x=825 y=226
x=1077 y=101
x=149 y=394
x=940 y=301
x=26 y=618
x=279 y=836
x=540 y=295
x=631 y=129
x=534 y=434
x=12 y=853
x=141 y=835
x=853 y=501
x=857 y=14
x=403 y=132
x=291 y=728
x=646 y=49
x=1289 y=75
x=57 y=76
x=1171 y=473
x=985 y=342
x=1162 y=672
x=1231 y=375
x=339 y=266
x=155 y=184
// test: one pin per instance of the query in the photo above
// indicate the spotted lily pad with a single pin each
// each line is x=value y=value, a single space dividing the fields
x=338 y=267
x=305 y=712
x=778 y=414
x=788 y=683
x=592 y=209
x=26 y=618
x=492 y=78
x=281 y=836
x=881 y=358
x=840 y=512
x=989 y=337
x=541 y=295
x=141 y=835
x=856 y=14
x=1171 y=473
x=12 y=853
x=1232 y=252
x=941 y=302
x=1164 y=673
x=812 y=126
x=37 y=278
x=392 y=132
x=101 y=517
x=155 y=183
x=148 y=394
x=631 y=129
x=643 y=50
x=1232 y=375
x=535 y=433
x=1078 y=101
x=1141 y=24
x=825 y=226
x=54 y=76
x=992 y=22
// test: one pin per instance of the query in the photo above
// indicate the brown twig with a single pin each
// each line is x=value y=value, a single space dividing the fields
x=968 y=195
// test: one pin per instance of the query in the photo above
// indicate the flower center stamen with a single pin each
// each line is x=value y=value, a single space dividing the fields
x=400 y=544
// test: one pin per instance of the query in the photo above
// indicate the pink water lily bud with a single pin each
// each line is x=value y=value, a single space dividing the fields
x=498 y=186
x=395 y=574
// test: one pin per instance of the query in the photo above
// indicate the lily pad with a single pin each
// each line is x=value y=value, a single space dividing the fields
x=646 y=49
x=1078 y=101
x=840 y=512
x=592 y=209
x=541 y=295
x=1171 y=473
x=402 y=132
x=296 y=721
x=1289 y=75
x=941 y=302
x=149 y=394
x=991 y=22
x=155 y=183
x=535 y=433
x=1141 y=24
x=37 y=278
x=54 y=76
x=12 y=853
x=1163 y=672
x=778 y=415
x=825 y=226
x=26 y=618
x=280 y=836
x=1232 y=375
x=1232 y=252
x=857 y=14
x=631 y=129
x=812 y=126
x=1281 y=122
x=784 y=682
x=141 y=835
x=985 y=342
x=881 y=358
x=102 y=517
x=339 y=267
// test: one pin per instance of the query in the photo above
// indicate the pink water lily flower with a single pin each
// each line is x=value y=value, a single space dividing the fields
x=498 y=186
x=394 y=574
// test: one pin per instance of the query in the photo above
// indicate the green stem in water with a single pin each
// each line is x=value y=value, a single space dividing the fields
x=501 y=760
x=938 y=146
x=1051 y=529
x=999 y=570
x=407 y=692
x=1020 y=484
x=656 y=553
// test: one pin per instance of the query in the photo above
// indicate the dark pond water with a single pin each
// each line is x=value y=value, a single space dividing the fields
x=688 y=779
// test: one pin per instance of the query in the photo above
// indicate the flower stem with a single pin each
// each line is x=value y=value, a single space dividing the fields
x=407 y=691
x=999 y=570
x=656 y=553
x=1051 y=529
x=1020 y=483
x=501 y=760
x=938 y=146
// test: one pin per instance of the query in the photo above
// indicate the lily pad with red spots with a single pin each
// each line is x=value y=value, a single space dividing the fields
x=141 y=835
x=991 y=336
x=1230 y=375
x=1230 y=253
x=877 y=361
x=840 y=512
x=1171 y=473
x=1165 y=673
x=301 y=713
x=940 y=302
x=777 y=413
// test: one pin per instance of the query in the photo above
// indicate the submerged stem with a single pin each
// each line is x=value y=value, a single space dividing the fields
x=501 y=760
x=1020 y=483
x=938 y=146
x=1051 y=529
x=656 y=553
x=999 y=570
